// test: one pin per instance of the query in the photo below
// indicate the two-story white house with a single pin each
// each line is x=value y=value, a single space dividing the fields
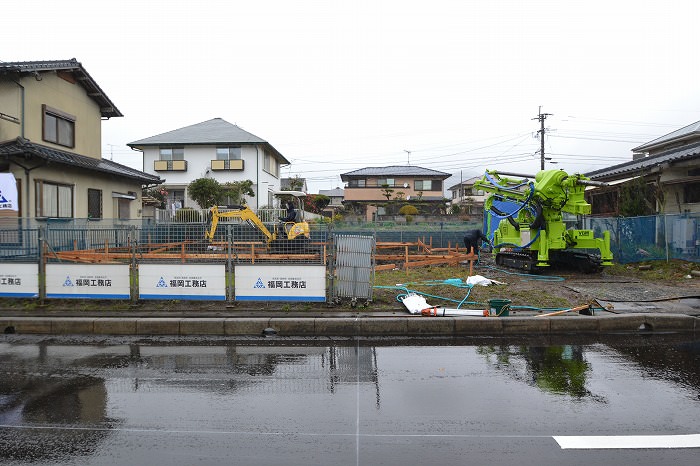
x=213 y=149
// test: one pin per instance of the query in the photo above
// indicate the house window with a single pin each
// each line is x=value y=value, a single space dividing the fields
x=124 y=208
x=94 y=203
x=53 y=200
x=427 y=185
x=172 y=153
x=357 y=183
x=691 y=193
x=270 y=164
x=228 y=153
x=58 y=127
x=390 y=182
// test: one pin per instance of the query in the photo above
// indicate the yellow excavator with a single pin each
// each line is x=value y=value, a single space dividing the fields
x=291 y=234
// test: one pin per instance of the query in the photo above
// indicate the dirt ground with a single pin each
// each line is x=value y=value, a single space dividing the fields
x=442 y=286
x=645 y=282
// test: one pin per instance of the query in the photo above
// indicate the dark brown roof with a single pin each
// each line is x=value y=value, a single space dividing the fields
x=21 y=147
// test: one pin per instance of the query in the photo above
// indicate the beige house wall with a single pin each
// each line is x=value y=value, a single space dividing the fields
x=376 y=194
x=58 y=93
x=81 y=182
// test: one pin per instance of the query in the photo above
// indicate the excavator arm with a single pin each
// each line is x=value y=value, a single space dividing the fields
x=242 y=212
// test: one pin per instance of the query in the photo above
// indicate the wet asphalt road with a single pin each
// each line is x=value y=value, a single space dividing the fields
x=109 y=401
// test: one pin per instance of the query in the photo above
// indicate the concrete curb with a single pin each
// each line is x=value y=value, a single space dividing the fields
x=366 y=326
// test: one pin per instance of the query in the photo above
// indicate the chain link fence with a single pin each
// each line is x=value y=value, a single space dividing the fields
x=634 y=239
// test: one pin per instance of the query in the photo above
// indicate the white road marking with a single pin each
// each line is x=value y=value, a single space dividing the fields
x=593 y=442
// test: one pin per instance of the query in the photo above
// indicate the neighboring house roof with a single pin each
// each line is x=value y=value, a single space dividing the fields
x=469 y=182
x=398 y=170
x=21 y=146
x=337 y=192
x=107 y=108
x=214 y=131
x=692 y=131
x=691 y=151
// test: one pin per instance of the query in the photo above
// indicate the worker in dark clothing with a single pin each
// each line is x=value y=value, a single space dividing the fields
x=473 y=238
x=291 y=213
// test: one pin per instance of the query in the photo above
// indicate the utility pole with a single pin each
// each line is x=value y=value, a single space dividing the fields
x=541 y=116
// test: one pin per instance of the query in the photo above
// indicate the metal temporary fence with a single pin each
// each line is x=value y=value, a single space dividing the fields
x=353 y=267
x=169 y=242
x=633 y=239
x=438 y=235
x=655 y=237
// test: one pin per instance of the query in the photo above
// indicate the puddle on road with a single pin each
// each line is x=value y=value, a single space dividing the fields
x=80 y=398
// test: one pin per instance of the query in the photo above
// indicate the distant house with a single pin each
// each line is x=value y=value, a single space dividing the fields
x=470 y=200
x=665 y=170
x=51 y=116
x=212 y=149
x=336 y=196
x=294 y=184
x=367 y=189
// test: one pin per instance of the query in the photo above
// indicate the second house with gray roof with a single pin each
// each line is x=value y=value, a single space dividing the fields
x=373 y=191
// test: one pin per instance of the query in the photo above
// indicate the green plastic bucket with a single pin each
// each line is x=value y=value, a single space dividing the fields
x=499 y=307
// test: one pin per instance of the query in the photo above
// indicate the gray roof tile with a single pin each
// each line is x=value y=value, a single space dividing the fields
x=21 y=146
x=692 y=129
x=396 y=170
x=107 y=107
x=670 y=156
x=214 y=131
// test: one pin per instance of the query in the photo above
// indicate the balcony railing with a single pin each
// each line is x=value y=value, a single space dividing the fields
x=170 y=165
x=236 y=164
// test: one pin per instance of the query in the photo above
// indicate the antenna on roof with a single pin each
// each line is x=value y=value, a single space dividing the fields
x=408 y=157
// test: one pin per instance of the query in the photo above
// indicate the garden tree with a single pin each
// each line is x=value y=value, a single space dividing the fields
x=317 y=202
x=237 y=190
x=206 y=192
x=400 y=196
x=387 y=192
x=455 y=209
x=159 y=193
x=296 y=183
x=636 y=198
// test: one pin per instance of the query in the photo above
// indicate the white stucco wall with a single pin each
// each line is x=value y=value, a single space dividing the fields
x=198 y=166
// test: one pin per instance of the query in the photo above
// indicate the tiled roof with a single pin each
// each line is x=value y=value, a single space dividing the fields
x=337 y=192
x=690 y=151
x=21 y=146
x=211 y=132
x=397 y=170
x=107 y=108
x=692 y=130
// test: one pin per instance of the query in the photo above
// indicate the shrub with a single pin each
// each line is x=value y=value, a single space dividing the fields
x=408 y=210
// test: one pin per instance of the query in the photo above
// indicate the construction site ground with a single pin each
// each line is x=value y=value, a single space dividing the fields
x=658 y=286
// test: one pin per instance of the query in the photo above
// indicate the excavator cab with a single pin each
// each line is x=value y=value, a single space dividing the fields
x=293 y=224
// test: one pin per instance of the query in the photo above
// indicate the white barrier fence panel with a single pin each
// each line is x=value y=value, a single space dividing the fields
x=198 y=282
x=295 y=283
x=19 y=280
x=87 y=281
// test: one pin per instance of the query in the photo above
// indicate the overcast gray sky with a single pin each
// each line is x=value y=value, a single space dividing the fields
x=340 y=85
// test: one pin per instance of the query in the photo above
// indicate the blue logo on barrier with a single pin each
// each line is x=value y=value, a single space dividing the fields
x=161 y=283
x=2 y=198
x=259 y=284
x=68 y=281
